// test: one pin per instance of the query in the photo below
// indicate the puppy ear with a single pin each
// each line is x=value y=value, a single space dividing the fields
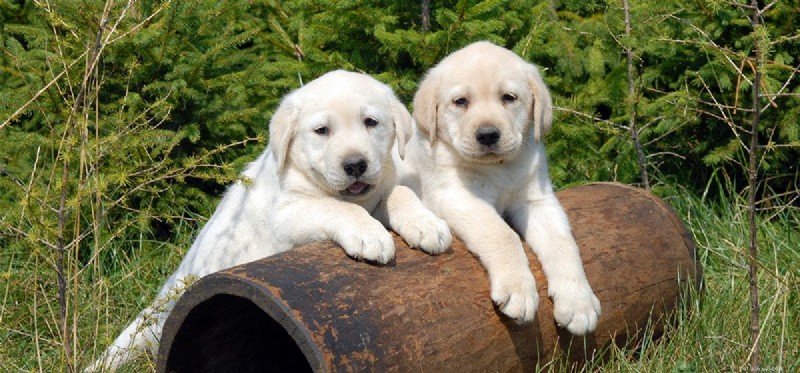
x=426 y=105
x=282 y=128
x=403 y=124
x=542 y=104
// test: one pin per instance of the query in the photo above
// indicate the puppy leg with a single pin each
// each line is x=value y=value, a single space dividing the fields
x=402 y=211
x=361 y=236
x=546 y=228
x=499 y=249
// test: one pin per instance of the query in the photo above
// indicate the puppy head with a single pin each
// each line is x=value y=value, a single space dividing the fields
x=481 y=100
x=338 y=131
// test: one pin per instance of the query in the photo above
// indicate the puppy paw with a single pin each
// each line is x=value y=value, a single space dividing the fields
x=426 y=232
x=575 y=307
x=516 y=296
x=369 y=241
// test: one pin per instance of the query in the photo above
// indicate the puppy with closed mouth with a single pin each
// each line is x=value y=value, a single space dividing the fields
x=478 y=161
x=329 y=173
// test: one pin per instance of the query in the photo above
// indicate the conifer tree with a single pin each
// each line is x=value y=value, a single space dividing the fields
x=121 y=123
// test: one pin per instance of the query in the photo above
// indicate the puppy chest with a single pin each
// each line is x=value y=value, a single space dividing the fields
x=497 y=187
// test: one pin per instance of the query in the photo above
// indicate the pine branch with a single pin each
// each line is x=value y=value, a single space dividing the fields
x=44 y=89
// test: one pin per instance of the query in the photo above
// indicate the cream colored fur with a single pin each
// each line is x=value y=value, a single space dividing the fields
x=299 y=190
x=477 y=159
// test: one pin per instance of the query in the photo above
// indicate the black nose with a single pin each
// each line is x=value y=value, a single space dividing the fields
x=487 y=135
x=354 y=165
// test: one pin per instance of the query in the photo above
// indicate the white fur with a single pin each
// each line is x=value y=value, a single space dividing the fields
x=479 y=189
x=295 y=193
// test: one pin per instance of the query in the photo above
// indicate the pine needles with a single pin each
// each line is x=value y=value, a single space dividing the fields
x=122 y=122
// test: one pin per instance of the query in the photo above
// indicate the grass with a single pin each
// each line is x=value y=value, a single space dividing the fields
x=105 y=291
x=710 y=333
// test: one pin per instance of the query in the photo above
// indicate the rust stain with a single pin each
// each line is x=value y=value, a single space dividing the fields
x=434 y=313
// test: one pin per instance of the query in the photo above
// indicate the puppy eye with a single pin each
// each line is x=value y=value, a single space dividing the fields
x=461 y=102
x=322 y=130
x=509 y=98
x=370 y=122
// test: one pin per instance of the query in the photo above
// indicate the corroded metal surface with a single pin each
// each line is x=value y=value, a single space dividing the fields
x=312 y=308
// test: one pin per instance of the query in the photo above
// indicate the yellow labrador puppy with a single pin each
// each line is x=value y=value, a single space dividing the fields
x=327 y=174
x=478 y=161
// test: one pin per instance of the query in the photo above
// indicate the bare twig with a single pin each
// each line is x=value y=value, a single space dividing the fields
x=711 y=42
x=673 y=154
x=632 y=101
x=754 y=360
x=783 y=87
x=589 y=116
x=69 y=66
x=91 y=62
x=426 y=15
x=724 y=117
x=44 y=89
x=736 y=90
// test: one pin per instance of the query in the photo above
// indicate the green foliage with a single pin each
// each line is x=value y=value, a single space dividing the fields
x=162 y=105
x=121 y=123
x=692 y=94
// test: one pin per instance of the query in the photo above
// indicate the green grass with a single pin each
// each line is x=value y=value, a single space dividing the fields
x=710 y=333
x=711 y=330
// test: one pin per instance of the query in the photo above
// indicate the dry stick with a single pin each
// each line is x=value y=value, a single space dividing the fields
x=783 y=330
x=738 y=84
x=593 y=118
x=39 y=93
x=67 y=67
x=783 y=87
x=755 y=353
x=298 y=52
x=39 y=360
x=61 y=244
x=426 y=15
x=710 y=42
x=91 y=63
x=764 y=88
x=83 y=173
x=728 y=120
x=632 y=102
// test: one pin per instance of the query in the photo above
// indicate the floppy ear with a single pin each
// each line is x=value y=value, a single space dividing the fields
x=426 y=105
x=403 y=126
x=282 y=128
x=542 y=104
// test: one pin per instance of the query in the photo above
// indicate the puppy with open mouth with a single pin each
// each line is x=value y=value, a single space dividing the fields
x=478 y=161
x=329 y=173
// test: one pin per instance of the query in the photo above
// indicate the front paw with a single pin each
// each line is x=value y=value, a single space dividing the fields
x=426 y=232
x=575 y=307
x=516 y=295
x=368 y=240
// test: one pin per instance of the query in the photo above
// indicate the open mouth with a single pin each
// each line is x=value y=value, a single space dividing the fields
x=357 y=189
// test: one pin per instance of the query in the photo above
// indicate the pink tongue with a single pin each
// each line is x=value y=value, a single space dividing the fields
x=357 y=187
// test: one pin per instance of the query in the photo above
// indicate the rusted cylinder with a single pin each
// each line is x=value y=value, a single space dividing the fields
x=314 y=309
